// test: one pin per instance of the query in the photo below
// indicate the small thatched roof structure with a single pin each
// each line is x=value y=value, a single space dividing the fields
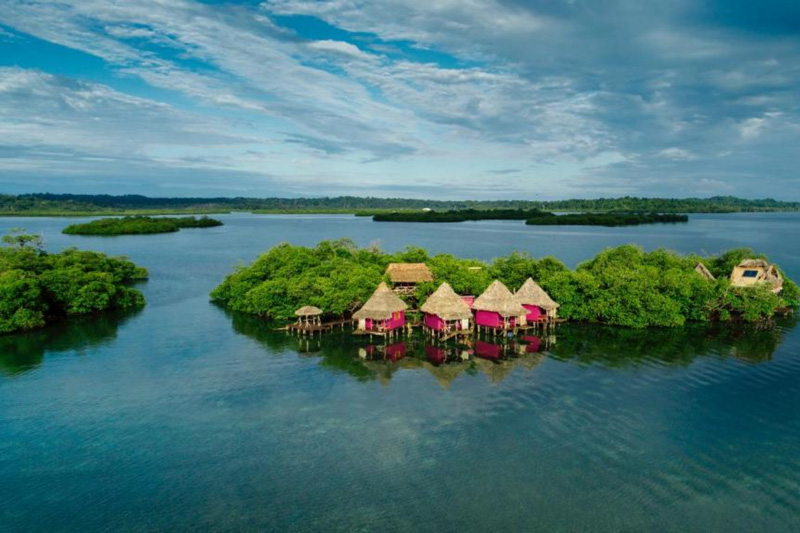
x=308 y=310
x=446 y=304
x=756 y=271
x=703 y=270
x=409 y=273
x=381 y=305
x=498 y=299
x=532 y=294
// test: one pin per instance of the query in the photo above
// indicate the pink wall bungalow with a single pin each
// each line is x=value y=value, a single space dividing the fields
x=446 y=311
x=383 y=312
x=536 y=301
x=497 y=308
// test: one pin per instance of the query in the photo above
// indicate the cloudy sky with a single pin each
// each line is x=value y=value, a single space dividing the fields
x=415 y=98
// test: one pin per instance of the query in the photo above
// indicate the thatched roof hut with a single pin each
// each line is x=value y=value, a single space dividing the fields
x=409 y=273
x=498 y=299
x=308 y=310
x=532 y=294
x=446 y=304
x=381 y=305
x=756 y=271
x=703 y=270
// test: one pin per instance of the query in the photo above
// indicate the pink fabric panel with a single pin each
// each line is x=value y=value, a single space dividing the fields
x=488 y=318
x=368 y=323
x=433 y=322
x=398 y=320
x=534 y=313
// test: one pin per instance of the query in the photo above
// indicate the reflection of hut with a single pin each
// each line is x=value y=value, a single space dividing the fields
x=537 y=302
x=755 y=272
x=703 y=270
x=383 y=312
x=497 y=308
x=406 y=276
x=308 y=316
x=445 y=310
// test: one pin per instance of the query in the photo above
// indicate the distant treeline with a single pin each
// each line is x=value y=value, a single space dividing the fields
x=139 y=225
x=606 y=219
x=76 y=204
x=533 y=217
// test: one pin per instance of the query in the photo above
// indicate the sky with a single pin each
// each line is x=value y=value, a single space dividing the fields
x=450 y=99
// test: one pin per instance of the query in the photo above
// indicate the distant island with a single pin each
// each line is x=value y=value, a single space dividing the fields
x=45 y=204
x=38 y=288
x=139 y=225
x=532 y=217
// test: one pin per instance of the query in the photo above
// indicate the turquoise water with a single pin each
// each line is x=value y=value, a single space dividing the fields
x=185 y=417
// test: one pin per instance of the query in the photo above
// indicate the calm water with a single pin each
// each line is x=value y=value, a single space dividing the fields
x=184 y=417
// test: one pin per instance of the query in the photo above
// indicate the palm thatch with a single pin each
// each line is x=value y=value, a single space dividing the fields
x=409 y=273
x=446 y=304
x=755 y=272
x=381 y=305
x=308 y=310
x=498 y=299
x=532 y=294
x=703 y=270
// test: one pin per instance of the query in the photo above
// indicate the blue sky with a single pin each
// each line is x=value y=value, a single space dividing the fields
x=435 y=98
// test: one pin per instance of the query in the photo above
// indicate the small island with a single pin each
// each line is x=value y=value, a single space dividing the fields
x=37 y=287
x=623 y=286
x=532 y=217
x=139 y=225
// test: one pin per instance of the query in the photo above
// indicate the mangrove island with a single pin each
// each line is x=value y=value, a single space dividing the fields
x=139 y=225
x=623 y=286
x=37 y=287
x=532 y=217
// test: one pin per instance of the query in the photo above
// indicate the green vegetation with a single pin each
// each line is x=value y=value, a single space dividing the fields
x=462 y=215
x=86 y=204
x=37 y=287
x=622 y=286
x=139 y=225
x=533 y=217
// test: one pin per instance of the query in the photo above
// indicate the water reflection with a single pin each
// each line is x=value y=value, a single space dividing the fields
x=22 y=352
x=497 y=359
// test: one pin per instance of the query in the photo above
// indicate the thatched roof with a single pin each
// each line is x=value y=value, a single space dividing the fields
x=532 y=294
x=498 y=299
x=308 y=310
x=703 y=270
x=381 y=305
x=409 y=273
x=446 y=304
x=753 y=263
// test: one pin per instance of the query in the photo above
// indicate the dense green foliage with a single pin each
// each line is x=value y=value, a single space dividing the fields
x=139 y=225
x=37 y=287
x=73 y=204
x=606 y=219
x=621 y=286
x=533 y=217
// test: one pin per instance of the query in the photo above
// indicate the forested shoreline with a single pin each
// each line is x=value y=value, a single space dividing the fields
x=532 y=217
x=623 y=286
x=46 y=204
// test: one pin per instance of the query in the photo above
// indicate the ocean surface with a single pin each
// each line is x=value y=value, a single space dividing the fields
x=183 y=417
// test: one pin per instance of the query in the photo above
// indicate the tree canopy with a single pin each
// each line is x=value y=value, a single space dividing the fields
x=37 y=287
x=139 y=225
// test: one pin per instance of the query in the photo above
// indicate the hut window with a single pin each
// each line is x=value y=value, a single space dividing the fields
x=750 y=273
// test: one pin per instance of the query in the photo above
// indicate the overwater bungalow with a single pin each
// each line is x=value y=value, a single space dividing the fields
x=383 y=313
x=497 y=308
x=446 y=312
x=536 y=301
x=406 y=276
x=752 y=272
